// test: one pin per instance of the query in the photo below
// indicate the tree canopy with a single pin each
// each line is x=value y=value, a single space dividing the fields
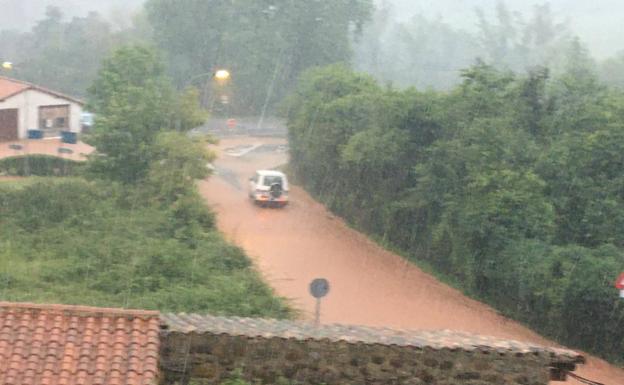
x=265 y=45
x=135 y=101
x=510 y=184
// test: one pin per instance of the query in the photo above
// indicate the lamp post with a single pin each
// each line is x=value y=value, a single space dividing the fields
x=221 y=77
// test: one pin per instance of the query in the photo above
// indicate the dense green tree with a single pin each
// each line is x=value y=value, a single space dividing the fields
x=611 y=71
x=176 y=162
x=132 y=97
x=511 y=184
x=578 y=96
x=587 y=186
x=534 y=104
x=265 y=44
x=67 y=240
x=134 y=100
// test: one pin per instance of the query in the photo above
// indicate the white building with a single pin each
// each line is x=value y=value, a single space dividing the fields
x=25 y=106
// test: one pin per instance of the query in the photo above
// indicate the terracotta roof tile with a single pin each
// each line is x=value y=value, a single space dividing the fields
x=443 y=339
x=57 y=344
x=11 y=87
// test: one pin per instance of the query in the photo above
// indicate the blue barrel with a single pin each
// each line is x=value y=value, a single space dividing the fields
x=69 y=137
x=35 y=134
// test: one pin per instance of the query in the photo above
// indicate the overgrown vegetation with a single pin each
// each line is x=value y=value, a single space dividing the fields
x=134 y=232
x=39 y=165
x=93 y=243
x=511 y=185
x=135 y=102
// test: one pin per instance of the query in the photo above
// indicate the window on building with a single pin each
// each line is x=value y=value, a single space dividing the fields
x=59 y=122
x=54 y=117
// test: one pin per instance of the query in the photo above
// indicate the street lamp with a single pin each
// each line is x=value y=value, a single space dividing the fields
x=221 y=78
x=222 y=75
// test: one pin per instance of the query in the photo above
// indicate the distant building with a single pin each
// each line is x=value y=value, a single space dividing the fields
x=25 y=106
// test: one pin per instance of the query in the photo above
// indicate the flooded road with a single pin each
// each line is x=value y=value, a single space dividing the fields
x=369 y=285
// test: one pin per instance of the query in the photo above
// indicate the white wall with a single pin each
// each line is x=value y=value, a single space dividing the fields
x=28 y=103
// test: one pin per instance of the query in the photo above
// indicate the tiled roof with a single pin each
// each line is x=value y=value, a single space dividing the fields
x=11 y=87
x=58 y=344
x=444 y=339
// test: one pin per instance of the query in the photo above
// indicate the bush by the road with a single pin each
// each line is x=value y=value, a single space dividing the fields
x=78 y=242
x=511 y=186
x=39 y=165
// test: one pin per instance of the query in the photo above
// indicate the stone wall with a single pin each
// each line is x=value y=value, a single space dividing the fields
x=212 y=358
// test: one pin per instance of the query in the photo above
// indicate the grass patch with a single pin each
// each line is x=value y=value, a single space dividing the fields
x=77 y=242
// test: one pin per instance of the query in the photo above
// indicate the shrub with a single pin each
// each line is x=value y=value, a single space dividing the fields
x=78 y=242
x=39 y=165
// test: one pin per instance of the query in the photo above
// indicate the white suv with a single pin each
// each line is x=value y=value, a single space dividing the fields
x=269 y=187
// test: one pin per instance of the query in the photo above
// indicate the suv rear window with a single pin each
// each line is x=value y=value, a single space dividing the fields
x=271 y=180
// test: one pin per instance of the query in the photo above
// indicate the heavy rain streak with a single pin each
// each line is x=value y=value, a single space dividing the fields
x=311 y=192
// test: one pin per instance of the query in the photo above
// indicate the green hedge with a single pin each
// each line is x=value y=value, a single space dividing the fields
x=39 y=165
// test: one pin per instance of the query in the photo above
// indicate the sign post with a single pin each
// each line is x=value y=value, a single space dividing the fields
x=619 y=284
x=319 y=289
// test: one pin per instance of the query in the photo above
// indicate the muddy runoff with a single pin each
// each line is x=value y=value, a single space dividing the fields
x=369 y=285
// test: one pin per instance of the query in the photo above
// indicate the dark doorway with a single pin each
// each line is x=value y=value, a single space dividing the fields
x=8 y=124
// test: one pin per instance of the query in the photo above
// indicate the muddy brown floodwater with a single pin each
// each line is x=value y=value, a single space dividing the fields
x=369 y=285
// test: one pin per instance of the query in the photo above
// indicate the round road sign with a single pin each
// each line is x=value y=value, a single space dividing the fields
x=319 y=288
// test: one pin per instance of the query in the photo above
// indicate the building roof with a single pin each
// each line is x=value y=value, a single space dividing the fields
x=11 y=87
x=58 y=344
x=438 y=340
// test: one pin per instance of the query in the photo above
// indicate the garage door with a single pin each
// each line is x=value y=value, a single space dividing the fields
x=8 y=124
